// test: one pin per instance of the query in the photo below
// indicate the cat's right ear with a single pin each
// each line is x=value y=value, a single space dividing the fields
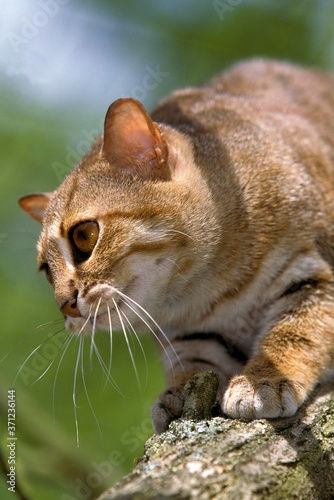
x=133 y=143
x=35 y=204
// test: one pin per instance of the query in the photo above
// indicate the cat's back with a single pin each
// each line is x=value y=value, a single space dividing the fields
x=256 y=87
x=268 y=116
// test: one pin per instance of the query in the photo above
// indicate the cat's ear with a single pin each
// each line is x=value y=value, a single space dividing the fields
x=35 y=204
x=133 y=142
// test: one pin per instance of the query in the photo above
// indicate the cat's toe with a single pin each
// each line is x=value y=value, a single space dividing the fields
x=263 y=398
x=169 y=407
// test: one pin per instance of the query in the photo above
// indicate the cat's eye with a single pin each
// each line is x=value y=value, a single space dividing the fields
x=84 y=237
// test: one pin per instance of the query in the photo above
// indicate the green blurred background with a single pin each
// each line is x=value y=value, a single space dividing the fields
x=62 y=62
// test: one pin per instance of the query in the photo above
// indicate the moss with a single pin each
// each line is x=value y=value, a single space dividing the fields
x=200 y=395
x=328 y=427
x=234 y=460
x=297 y=485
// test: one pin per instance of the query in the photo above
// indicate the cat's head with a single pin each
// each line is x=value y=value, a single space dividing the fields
x=115 y=237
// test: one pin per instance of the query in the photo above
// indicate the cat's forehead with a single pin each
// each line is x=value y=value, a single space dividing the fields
x=91 y=194
x=79 y=197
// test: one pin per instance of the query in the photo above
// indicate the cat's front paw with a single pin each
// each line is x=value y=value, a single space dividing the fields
x=169 y=407
x=251 y=398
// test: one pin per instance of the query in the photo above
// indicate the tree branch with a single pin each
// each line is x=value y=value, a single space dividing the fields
x=275 y=459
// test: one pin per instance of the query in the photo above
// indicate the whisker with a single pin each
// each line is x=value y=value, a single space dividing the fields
x=85 y=323
x=74 y=390
x=88 y=398
x=127 y=300
x=92 y=345
x=155 y=335
x=51 y=363
x=43 y=326
x=180 y=232
x=139 y=342
x=26 y=233
x=105 y=370
x=110 y=350
x=30 y=334
x=68 y=340
x=178 y=267
x=45 y=371
x=128 y=343
x=33 y=352
x=110 y=330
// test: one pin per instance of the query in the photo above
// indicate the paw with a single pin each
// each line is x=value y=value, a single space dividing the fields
x=251 y=398
x=169 y=407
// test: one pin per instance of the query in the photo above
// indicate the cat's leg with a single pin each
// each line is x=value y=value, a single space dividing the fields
x=292 y=356
x=183 y=358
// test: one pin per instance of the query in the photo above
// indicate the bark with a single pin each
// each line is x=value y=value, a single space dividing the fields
x=279 y=459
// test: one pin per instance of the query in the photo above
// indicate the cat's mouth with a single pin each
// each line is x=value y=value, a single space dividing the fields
x=88 y=326
x=106 y=319
x=100 y=318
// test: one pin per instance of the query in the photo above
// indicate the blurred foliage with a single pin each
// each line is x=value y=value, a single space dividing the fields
x=191 y=41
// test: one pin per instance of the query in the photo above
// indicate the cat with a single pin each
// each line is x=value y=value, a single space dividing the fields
x=211 y=224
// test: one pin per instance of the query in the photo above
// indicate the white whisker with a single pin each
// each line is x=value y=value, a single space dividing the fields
x=180 y=232
x=127 y=343
x=106 y=371
x=43 y=326
x=110 y=350
x=154 y=334
x=23 y=339
x=68 y=340
x=178 y=267
x=127 y=300
x=110 y=330
x=92 y=345
x=27 y=359
x=50 y=364
x=138 y=340
x=109 y=378
x=87 y=396
x=81 y=339
x=32 y=353
x=85 y=323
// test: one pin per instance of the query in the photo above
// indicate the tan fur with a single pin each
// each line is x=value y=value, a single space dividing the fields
x=206 y=220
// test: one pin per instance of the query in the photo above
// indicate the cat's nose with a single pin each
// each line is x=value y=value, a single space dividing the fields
x=70 y=308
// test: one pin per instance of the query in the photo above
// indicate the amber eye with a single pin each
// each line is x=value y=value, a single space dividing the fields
x=85 y=236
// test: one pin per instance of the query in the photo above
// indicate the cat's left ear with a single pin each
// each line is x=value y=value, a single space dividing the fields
x=133 y=143
x=35 y=204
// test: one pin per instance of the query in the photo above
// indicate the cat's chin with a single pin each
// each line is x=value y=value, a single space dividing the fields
x=79 y=326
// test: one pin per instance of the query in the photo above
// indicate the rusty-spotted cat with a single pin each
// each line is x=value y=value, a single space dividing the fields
x=210 y=223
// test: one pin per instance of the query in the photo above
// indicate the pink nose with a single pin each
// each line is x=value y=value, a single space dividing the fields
x=70 y=309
